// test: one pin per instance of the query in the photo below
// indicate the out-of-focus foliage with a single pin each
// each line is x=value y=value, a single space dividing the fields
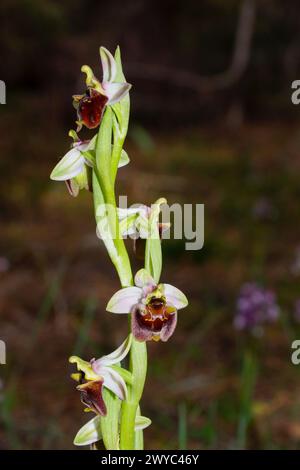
x=42 y=45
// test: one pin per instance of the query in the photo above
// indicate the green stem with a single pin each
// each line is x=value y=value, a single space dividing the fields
x=248 y=381
x=138 y=368
x=122 y=263
x=104 y=192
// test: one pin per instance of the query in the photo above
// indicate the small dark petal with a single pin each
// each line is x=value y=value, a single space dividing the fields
x=139 y=248
x=91 y=108
x=169 y=327
x=90 y=180
x=91 y=396
x=72 y=188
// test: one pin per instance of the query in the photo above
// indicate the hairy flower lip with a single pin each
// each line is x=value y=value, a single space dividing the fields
x=90 y=106
x=147 y=327
x=91 y=396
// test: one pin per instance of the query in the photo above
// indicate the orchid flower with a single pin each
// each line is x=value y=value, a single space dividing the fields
x=135 y=221
x=100 y=373
x=90 y=433
x=90 y=106
x=153 y=307
x=75 y=167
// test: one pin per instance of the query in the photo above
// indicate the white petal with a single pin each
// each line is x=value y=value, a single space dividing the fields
x=89 y=433
x=69 y=166
x=114 y=382
x=174 y=296
x=141 y=422
x=123 y=300
x=143 y=278
x=115 y=91
x=83 y=146
x=114 y=357
x=109 y=65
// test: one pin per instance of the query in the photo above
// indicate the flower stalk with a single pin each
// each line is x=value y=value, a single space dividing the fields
x=106 y=388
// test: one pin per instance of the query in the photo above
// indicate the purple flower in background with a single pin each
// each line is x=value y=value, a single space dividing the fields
x=263 y=210
x=255 y=306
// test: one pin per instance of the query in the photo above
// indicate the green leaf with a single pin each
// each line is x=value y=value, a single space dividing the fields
x=103 y=150
x=141 y=422
x=156 y=258
x=89 y=433
x=139 y=368
x=110 y=422
x=120 y=77
x=153 y=254
x=139 y=435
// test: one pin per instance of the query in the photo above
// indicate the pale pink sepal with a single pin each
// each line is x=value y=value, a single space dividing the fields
x=109 y=65
x=114 y=382
x=123 y=300
x=174 y=296
x=115 y=91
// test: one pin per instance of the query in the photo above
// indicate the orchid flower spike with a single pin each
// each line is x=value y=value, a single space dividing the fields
x=75 y=168
x=90 y=107
x=153 y=307
x=101 y=373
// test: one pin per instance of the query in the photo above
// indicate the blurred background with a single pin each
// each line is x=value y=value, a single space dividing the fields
x=212 y=122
